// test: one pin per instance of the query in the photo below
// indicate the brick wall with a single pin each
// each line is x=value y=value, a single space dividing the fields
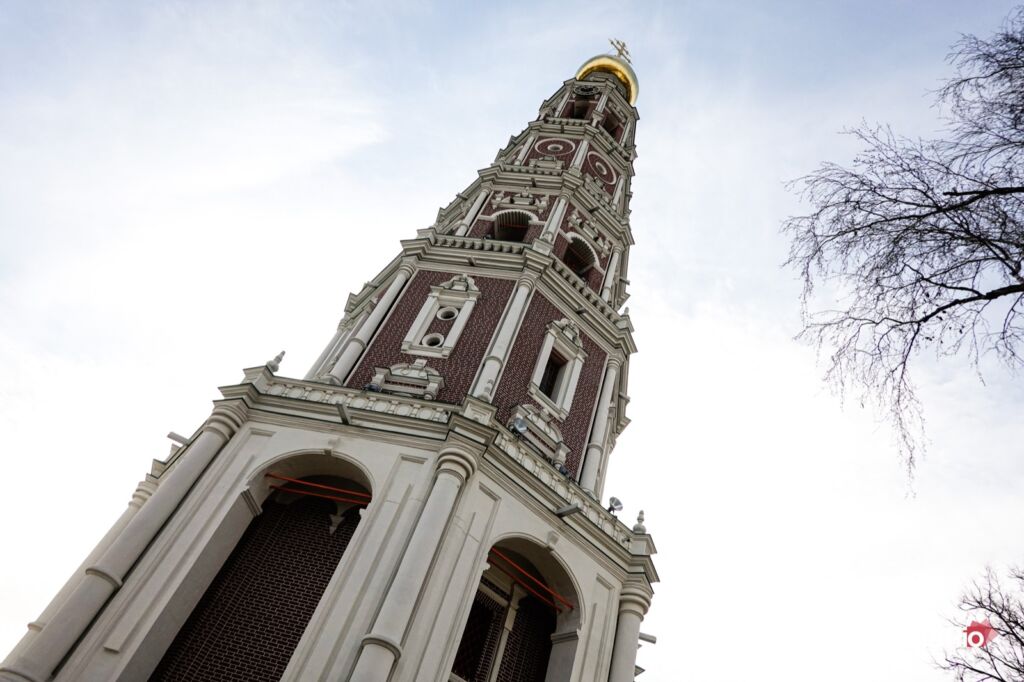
x=479 y=641
x=459 y=368
x=512 y=391
x=249 y=621
x=528 y=646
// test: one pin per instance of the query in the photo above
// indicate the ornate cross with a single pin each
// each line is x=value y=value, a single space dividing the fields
x=620 y=49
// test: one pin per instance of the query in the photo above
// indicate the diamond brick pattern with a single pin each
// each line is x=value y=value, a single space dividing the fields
x=249 y=621
x=528 y=647
x=479 y=642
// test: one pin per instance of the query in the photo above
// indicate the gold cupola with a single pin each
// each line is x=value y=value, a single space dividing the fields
x=618 y=66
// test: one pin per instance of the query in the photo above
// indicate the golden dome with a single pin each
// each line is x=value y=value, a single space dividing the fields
x=619 y=68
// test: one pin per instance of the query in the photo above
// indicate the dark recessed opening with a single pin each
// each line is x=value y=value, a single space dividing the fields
x=511 y=226
x=552 y=374
x=578 y=258
x=612 y=126
x=580 y=108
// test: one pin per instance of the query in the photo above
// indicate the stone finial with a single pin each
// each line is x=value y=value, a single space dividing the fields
x=640 y=528
x=275 y=364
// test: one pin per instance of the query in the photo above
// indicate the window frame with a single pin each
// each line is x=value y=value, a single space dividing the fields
x=563 y=338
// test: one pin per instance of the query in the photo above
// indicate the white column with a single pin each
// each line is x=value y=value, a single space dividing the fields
x=495 y=360
x=617 y=194
x=142 y=493
x=526 y=149
x=562 y=102
x=633 y=605
x=328 y=349
x=547 y=235
x=595 y=449
x=581 y=154
x=104 y=577
x=626 y=129
x=611 y=275
x=382 y=647
x=510 y=620
x=470 y=216
x=345 y=331
x=355 y=345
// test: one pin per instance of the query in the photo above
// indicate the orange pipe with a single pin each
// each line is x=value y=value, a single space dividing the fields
x=529 y=589
x=527 y=574
x=312 y=494
x=318 y=485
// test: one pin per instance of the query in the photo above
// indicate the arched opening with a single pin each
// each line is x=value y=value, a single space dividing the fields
x=523 y=622
x=250 y=619
x=580 y=107
x=612 y=125
x=511 y=226
x=579 y=258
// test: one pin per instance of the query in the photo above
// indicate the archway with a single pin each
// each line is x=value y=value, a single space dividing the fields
x=523 y=622
x=250 y=619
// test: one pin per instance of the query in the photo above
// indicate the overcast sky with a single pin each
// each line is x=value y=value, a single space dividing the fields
x=187 y=189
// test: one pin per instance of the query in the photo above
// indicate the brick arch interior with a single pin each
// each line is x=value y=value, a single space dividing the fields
x=525 y=607
x=250 y=619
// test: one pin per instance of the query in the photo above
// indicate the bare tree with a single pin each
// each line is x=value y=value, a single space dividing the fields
x=920 y=243
x=1002 y=659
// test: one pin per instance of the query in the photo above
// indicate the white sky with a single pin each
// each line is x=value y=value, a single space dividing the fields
x=186 y=189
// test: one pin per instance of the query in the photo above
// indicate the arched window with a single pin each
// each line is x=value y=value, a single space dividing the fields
x=523 y=599
x=579 y=258
x=511 y=226
x=250 y=619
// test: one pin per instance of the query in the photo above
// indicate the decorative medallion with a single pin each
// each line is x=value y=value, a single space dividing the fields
x=555 y=146
x=602 y=168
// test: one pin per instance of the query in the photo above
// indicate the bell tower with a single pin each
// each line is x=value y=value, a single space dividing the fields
x=425 y=504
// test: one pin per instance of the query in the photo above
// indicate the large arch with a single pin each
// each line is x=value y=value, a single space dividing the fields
x=252 y=615
x=525 y=618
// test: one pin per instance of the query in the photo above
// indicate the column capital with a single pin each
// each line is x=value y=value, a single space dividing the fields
x=226 y=418
x=142 y=493
x=458 y=461
x=635 y=598
x=527 y=281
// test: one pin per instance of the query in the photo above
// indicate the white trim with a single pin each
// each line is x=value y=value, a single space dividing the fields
x=460 y=293
x=564 y=338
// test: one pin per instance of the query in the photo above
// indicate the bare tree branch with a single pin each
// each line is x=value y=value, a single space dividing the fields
x=920 y=243
x=1001 y=605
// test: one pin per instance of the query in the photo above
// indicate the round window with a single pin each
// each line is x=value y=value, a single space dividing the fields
x=448 y=313
x=433 y=340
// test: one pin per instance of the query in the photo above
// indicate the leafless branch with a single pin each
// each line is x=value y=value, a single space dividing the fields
x=920 y=243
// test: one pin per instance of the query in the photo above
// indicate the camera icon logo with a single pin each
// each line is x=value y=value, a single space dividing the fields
x=979 y=634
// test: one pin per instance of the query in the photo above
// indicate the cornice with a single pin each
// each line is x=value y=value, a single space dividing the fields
x=492 y=258
x=466 y=428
